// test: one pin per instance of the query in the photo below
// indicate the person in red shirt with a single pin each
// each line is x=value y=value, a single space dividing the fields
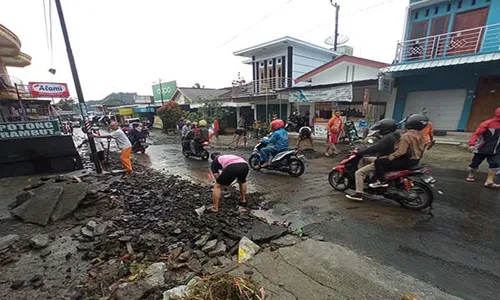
x=216 y=128
x=335 y=127
x=485 y=143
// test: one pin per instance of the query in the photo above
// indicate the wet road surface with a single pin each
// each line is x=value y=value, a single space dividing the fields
x=455 y=246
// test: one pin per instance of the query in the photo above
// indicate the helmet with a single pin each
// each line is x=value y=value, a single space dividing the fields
x=195 y=123
x=203 y=123
x=416 y=122
x=385 y=126
x=187 y=122
x=277 y=124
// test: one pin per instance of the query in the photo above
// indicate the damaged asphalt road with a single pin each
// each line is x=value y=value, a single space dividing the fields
x=454 y=247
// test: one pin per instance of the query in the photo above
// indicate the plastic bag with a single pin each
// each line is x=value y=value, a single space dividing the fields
x=247 y=249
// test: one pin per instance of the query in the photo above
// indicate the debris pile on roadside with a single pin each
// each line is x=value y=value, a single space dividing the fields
x=55 y=198
x=156 y=226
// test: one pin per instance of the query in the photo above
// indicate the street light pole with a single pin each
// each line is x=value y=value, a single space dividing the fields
x=161 y=92
x=78 y=87
x=335 y=37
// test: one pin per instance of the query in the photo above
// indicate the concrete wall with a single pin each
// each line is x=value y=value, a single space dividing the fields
x=442 y=8
x=305 y=60
x=344 y=72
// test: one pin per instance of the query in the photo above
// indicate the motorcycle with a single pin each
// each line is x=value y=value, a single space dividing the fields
x=202 y=151
x=287 y=161
x=140 y=146
x=412 y=188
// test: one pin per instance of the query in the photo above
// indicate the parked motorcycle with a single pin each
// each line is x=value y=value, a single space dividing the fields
x=413 y=188
x=140 y=146
x=202 y=151
x=287 y=161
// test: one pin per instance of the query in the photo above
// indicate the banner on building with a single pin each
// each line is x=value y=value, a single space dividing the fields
x=164 y=90
x=29 y=129
x=385 y=83
x=127 y=111
x=366 y=100
x=48 y=89
x=341 y=93
x=144 y=110
x=143 y=99
x=157 y=123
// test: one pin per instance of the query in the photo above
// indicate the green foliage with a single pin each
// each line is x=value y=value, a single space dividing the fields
x=210 y=111
x=213 y=110
x=67 y=104
x=170 y=114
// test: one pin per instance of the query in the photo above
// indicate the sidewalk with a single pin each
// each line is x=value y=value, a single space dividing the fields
x=451 y=138
x=315 y=270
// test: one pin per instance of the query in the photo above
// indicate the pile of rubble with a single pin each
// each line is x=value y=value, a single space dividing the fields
x=54 y=198
x=157 y=222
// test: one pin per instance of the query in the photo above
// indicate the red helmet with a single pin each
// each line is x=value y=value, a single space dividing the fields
x=277 y=124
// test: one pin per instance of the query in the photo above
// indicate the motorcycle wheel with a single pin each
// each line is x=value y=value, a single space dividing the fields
x=424 y=199
x=254 y=163
x=297 y=167
x=338 y=181
x=185 y=152
x=143 y=150
x=204 y=155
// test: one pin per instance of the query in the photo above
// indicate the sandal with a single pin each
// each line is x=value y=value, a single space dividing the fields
x=491 y=185
x=470 y=179
x=211 y=209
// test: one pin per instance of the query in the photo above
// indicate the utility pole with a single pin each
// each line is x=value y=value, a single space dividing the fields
x=161 y=92
x=336 y=35
x=78 y=87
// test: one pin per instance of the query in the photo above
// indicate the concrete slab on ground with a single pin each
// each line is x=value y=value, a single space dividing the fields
x=315 y=270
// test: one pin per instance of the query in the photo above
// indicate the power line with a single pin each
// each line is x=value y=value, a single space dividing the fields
x=50 y=32
x=326 y=21
x=262 y=19
x=46 y=25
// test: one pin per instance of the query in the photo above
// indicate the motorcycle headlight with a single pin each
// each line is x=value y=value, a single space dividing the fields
x=370 y=141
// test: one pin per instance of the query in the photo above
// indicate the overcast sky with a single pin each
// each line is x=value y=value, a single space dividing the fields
x=125 y=45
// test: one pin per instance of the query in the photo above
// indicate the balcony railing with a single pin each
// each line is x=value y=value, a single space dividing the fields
x=482 y=40
x=8 y=85
x=261 y=86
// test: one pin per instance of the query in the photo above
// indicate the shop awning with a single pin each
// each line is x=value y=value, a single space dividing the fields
x=224 y=104
x=442 y=63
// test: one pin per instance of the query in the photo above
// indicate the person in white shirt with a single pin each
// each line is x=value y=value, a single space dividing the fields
x=123 y=144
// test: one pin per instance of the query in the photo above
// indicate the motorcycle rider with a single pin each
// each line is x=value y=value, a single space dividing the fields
x=136 y=134
x=201 y=136
x=408 y=150
x=279 y=138
x=185 y=129
x=387 y=128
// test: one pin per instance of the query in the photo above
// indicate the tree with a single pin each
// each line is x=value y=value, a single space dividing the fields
x=170 y=114
x=66 y=104
x=198 y=86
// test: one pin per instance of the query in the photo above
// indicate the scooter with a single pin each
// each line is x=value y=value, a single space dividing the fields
x=287 y=161
x=202 y=151
x=413 y=188
x=140 y=146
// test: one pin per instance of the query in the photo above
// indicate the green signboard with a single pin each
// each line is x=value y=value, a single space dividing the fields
x=29 y=129
x=165 y=89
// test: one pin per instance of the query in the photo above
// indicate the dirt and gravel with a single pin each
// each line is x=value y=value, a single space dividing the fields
x=123 y=225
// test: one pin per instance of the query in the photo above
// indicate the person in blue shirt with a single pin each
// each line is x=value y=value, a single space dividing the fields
x=279 y=141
